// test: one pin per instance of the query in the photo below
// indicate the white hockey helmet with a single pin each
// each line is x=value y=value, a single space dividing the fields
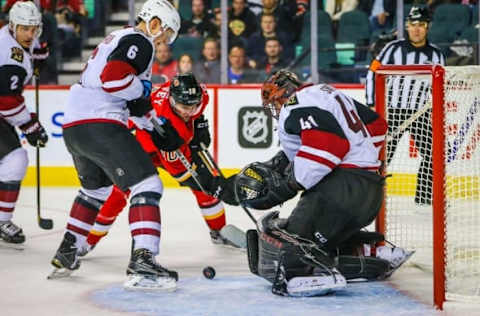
x=166 y=12
x=25 y=13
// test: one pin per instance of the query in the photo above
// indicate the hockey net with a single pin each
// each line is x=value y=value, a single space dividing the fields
x=443 y=230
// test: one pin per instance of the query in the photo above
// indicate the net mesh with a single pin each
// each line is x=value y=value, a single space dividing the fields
x=409 y=191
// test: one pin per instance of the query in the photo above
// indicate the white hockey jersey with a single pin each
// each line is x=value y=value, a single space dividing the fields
x=112 y=76
x=16 y=69
x=321 y=129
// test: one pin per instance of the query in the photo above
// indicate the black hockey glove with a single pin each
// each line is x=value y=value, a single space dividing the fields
x=139 y=107
x=223 y=189
x=279 y=162
x=34 y=132
x=201 y=134
x=40 y=55
x=262 y=188
x=168 y=138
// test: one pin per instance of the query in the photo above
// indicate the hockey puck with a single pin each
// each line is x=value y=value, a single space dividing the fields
x=209 y=272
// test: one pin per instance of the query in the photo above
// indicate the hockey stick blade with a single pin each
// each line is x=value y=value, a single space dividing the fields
x=45 y=223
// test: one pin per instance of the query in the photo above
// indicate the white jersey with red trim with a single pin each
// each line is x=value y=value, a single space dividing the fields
x=16 y=70
x=321 y=129
x=113 y=75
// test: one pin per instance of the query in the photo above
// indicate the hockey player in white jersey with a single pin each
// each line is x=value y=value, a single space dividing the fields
x=16 y=69
x=330 y=151
x=114 y=85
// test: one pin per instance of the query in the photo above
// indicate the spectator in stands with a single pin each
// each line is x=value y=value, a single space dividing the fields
x=185 y=64
x=335 y=8
x=238 y=71
x=273 y=60
x=164 y=66
x=381 y=13
x=200 y=25
x=217 y=20
x=268 y=29
x=241 y=22
x=207 y=70
x=286 y=18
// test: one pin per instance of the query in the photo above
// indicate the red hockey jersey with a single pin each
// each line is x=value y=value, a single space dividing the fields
x=169 y=160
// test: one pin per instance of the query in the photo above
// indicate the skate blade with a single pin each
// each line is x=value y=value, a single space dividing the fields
x=138 y=282
x=9 y=245
x=59 y=273
x=235 y=236
x=315 y=285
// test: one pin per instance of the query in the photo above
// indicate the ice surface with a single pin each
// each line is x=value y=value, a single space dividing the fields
x=95 y=289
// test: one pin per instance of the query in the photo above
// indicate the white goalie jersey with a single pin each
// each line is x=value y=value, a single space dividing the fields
x=321 y=129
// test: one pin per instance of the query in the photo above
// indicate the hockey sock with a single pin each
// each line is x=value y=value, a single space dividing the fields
x=8 y=198
x=144 y=219
x=212 y=209
x=82 y=216
x=107 y=215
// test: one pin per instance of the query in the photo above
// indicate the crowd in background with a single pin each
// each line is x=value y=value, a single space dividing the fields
x=263 y=35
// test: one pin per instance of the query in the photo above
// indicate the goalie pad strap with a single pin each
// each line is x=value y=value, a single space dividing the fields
x=359 y=267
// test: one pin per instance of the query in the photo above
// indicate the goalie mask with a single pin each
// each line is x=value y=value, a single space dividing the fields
x=277 y=89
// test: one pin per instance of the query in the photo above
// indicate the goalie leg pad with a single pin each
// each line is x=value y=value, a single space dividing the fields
x=252 y=250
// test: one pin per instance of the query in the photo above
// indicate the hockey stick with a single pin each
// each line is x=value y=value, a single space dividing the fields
x=181 y=156
x=410 y=120
x=462 y=132
x=212 y=165
x=44 y=223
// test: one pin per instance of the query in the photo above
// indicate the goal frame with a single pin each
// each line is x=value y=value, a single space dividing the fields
x=437 y=73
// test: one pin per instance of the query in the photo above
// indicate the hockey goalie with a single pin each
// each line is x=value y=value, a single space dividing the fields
x=330 y=151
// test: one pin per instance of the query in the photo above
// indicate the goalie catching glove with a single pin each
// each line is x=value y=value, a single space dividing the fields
x=260 y=187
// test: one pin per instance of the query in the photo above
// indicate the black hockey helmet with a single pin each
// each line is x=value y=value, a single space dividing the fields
x=185 y=89
x=419 y=14
x=277 y=89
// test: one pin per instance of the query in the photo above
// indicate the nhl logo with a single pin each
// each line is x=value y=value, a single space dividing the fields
x=255 y=128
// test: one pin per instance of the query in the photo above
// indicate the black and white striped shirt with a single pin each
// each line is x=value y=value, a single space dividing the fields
x=404 y=91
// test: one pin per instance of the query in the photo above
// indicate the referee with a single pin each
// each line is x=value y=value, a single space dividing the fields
x=407 y=95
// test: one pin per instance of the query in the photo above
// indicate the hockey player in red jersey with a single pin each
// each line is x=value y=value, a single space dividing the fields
x=331 y=146
x=182 y=102
x=17 y=58
x=114 y=85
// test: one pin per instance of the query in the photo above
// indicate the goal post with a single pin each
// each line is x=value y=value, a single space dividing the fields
x=433 y=154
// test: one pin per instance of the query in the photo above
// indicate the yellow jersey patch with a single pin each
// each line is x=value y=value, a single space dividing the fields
x=17 y=54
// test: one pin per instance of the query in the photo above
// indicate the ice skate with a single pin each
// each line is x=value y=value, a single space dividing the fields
x=11 y=236
x=144 y=273
x=230 y=236
x=396 y=256
x=65 y=260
